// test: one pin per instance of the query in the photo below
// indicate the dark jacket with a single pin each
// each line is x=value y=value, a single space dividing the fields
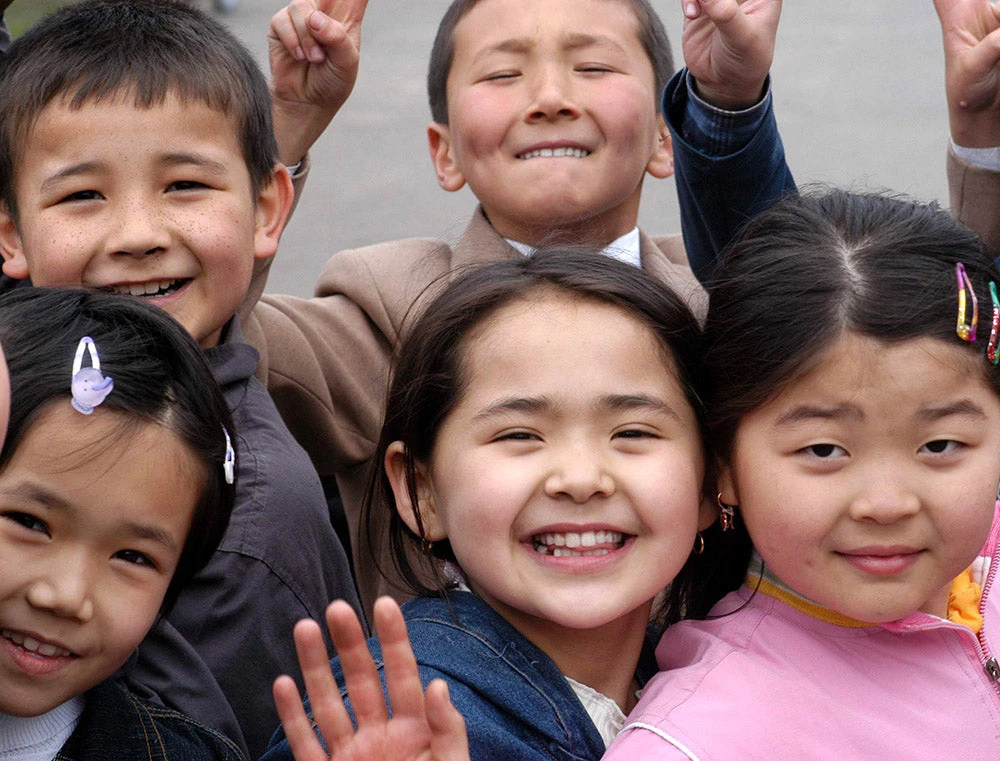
x=516 y=703
x=117 y=725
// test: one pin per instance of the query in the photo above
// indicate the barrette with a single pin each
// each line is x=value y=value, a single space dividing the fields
x=966 y=330
x=991 y=347
x=88 y=385
x=229 y=464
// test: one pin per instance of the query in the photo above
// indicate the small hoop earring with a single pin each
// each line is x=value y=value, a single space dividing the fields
x=426 y=545
x=727 y=513
x=699 y=545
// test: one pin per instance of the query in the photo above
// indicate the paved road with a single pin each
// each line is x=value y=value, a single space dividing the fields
x=859 y=99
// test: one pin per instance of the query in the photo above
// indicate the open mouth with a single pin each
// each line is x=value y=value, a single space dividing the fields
x=555 y=153
x=34 y=646
x=583 y=544
x=150 y=290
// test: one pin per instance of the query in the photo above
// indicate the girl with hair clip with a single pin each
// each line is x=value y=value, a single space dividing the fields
x=115 y=486
x=542 y=451
x=854 y=408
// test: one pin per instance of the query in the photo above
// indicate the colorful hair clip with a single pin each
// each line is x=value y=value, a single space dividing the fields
x=89 y=387
x=991 y=347
x=229 y=464
x=966 y=331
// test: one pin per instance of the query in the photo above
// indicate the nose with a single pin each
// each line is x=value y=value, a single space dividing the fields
x=580 y=474
x=552 y=96
x=141 y=229
x=63 y=587
x=886 y=496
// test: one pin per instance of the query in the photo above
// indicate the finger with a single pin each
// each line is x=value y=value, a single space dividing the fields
x=691 y=9
x=406 y=693
x=360 y=674
x=449 y=741
x=324 y=695
x=984 y=57
x=307 y=19
x=721 y=12
x=283 y=30
x=298 y=729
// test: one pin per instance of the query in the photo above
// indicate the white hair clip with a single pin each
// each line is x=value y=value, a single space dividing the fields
x=88 y=385
x=229 y=464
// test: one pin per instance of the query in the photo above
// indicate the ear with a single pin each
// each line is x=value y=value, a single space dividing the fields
x=449 y=175
x=274 y=204
x=661 y=165
x=395 y=468
x=15 y=264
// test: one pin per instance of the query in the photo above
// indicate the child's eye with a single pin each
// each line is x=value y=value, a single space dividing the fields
x=135 y=558
x=187 y=185
x=635 y=433
x=81 y=195
x=29 y=522
x=594 y=68
x=941 y=446
x=501 y=75
x=516 y=436
x=825 y=451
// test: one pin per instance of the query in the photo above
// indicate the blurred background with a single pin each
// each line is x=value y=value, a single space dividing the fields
x=859 y=97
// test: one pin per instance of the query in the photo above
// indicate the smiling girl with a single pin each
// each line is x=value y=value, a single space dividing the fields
x=854 y=406
x=109 y=502
x=542 y=444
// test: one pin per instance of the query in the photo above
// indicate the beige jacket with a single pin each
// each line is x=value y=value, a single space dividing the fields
x=325 y=360
x=975 y=199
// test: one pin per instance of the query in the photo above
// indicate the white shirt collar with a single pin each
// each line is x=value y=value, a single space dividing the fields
x=624 y=249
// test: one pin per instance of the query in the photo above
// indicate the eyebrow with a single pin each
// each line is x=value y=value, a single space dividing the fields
x=74 y=170
x=804 y=412
x=195 y=159
x=963 y=407
x=136 y=529
x=572 y=41
x=608 y=403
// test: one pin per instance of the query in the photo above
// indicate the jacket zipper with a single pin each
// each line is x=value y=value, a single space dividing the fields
x=990 y=665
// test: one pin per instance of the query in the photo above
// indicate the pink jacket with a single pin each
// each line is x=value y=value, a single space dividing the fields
x=772 y=681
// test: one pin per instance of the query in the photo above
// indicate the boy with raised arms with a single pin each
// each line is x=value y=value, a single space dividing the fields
x=548 y=109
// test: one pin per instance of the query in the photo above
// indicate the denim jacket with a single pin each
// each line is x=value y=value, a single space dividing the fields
x=517 y=705
x=117 y=725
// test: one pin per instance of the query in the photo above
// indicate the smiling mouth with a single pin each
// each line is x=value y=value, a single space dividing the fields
x=151 y=290
x=34 y=646
x=583 y=544
x=554 y=153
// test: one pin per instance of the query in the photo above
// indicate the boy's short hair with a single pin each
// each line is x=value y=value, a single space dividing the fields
x=652 y=35
x=144 y=49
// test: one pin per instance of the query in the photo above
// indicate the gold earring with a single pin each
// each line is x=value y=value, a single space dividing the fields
x=426 y=545
x=699 y=546
x=727 y=513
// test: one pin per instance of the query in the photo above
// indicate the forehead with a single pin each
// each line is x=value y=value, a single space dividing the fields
x=493 y=23
x=882 y=380
x=546 y=338
x=117 y=129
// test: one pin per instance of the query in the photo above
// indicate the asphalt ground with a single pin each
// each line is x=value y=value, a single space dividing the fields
x=859 y=97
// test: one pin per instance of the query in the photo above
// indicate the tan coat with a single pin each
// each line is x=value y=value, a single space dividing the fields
x=325 y=360
x=975 y=199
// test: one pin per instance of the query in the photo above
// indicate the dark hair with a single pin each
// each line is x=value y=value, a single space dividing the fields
x=143 y=49
x=428 y=377
x=652 y=35
x=160 y=377
x=817 y=265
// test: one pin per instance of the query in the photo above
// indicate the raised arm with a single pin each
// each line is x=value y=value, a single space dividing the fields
x=729 y=160
x=314 y=48
x=971 y=32
x=422 y=727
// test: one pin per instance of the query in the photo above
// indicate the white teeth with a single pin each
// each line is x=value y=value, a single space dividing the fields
x=143 y=289
x=577 y=544
x=548 y=153
x=33 y=645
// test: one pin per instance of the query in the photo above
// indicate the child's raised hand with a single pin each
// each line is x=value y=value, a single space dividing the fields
x=314 y=47
x=422 y=728
x=728 y=48
x=971 y=30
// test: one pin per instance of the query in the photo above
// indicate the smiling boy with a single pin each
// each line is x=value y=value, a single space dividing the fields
x=548 y=110
x=137 y=156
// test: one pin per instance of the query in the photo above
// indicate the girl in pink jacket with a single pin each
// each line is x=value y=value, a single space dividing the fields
x=854 y=408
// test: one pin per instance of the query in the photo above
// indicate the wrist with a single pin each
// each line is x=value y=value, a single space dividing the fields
x=975 y=131
x=297 y=127
x=730 y=98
